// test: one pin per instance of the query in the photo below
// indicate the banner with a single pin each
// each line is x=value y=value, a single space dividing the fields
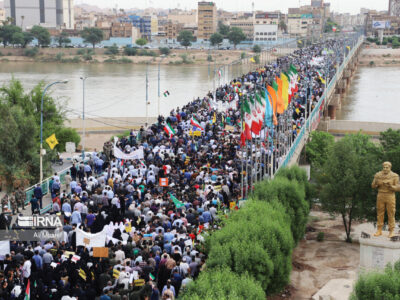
x=4 y=247
x=163 y=181
x=138 y=154
x=90 y=240
x=380 y=24
x=100 y=252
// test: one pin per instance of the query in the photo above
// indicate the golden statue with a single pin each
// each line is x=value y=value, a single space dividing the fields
x=386 y=181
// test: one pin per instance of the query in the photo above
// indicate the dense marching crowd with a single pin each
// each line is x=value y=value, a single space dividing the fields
x=155 y=232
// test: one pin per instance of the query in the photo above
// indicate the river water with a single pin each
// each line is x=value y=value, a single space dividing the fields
x=114 y=90
x=373 y=96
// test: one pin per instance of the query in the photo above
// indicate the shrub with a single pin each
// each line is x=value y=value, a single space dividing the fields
x=320 y=236
x=256 y=49
x=59 y=56
x=80 y=52
x=371 y=63
x=65 y=135
x=144 y=52
x=31 y=52
x=209 y=57
x=113 y=50
x=263 y=250
x=223 y=284
x=130 y=51
x=164 y=50
x=292 y=196
x=87 y=57
x=257 y=59
x=125 y=60
x=243 y=55
x=185 y=59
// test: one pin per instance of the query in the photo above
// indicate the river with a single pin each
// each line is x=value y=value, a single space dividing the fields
x=372 y=96
x=119 y=90
x=114 y=90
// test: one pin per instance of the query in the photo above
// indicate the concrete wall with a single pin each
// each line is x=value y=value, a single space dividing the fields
x=342 y=126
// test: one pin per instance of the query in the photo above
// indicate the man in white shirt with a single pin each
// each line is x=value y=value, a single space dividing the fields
x=119 y=255
x=26 y=270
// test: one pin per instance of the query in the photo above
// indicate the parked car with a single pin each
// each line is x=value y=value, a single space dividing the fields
x=78 y=157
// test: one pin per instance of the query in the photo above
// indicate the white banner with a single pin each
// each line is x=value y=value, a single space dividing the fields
x=138 y=154
x=90 y=240
x=380 y=24
x=4 y=247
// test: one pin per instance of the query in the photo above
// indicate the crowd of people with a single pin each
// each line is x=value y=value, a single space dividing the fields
x=157 y=209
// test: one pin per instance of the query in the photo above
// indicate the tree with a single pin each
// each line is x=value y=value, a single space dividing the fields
x=256 y=49
x=216 y=39
x=185 y=38
x=113 y=50
x=6 y=33
x=42 y=35
x=317 y=148
x=282 y=26
x=28 y=38
x=17 y=39
x=329 y=26
x=63 y=39
x=92 y=36
x=141 y=42
x=223 y=29
x=346 y=179
x=236 y=36
x=164 y=50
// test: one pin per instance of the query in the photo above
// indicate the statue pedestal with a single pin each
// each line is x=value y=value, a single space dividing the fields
x=377 y=252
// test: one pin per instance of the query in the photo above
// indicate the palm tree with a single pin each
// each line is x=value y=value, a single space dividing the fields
x=22 y=22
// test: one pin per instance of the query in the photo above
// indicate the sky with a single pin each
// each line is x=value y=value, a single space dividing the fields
x=350 y=6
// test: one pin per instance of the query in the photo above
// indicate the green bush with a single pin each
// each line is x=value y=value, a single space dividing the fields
x=185 y=59
x=65 y=135
x=31 y=52
x=292 y=195
x=125 y=60
x=209 y=57
x=243 y=55
x=378 y=285
x=59 y=56
x=164 y=50
x=87 y=57
x=130 y=51
x=113 y=50
x=320 y=236
x=80 y=52
x=263 y=250
x=222 y=284
x=145 y=52
x=256 y=49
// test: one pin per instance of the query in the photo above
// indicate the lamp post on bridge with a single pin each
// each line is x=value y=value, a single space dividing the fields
x=42 y=151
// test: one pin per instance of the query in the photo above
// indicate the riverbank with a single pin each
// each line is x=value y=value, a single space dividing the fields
x=176 y=57
x=375 y=56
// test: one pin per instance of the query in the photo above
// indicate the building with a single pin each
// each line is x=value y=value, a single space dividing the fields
x=121 y=29
x=170 y=30
x=50 y=13
x=267 y=18
x=265 y=32
x=246 y=24
x=147 y=25
x=298 y=24
x=186 y=18
x=2 y=15
x=206 y=19
x=394 y=8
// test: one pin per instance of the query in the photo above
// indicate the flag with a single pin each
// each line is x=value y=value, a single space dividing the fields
x=152 y=277
x=281 y=106
x=214 y=120
x=168 y=129
x=321 y=78
x=28 y=291
x=274 y=102
x=219 y=73
x=52 y=141
x=166 y=94
x=247 y=118
x=116 y=273
x=252 y=60
x=82 y=274
x=260 y=109
x=300 y=42
x=334 y=28
x=269 y=112
x=348 y=47
x=177 y=203
x=255 y=122
x=196 y=123
x=285 y=89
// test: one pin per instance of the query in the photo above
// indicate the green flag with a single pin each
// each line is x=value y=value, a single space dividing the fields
x=177 y=203
x=275 y=85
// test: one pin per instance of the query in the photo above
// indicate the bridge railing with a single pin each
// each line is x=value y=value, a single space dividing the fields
x=315 y=116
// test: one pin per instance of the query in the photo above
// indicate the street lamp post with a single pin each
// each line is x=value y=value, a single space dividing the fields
x=159 y=92
x=83 y=117
x=42 y=152
x=147 y=94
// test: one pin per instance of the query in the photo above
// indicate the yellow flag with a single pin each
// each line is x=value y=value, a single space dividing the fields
x=300 y=42
x=214 y=120
x=115 y=273
x=348 y=47
x=252 y=60
x=82 y=274
x=52 y=141
x=285 y=90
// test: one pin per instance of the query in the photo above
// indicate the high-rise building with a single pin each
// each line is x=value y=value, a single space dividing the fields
x=394 y=8
x=206 y=19
x=48 y=13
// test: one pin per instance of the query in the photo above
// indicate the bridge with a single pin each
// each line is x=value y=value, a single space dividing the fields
x=330 y=101
x=342 y=127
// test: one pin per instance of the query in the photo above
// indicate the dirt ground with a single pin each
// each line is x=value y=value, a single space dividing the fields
x=316 y=263
x=380 y=56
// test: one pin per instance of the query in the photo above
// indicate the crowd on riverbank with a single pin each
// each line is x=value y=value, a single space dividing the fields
x=156 y=196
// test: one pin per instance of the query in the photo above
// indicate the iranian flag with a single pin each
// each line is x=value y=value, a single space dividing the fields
x=256 y=117
x=260 y=110
x=28 y=291
x=247 y=120
x=168 y=129
x=293 y=70
x=196 y=123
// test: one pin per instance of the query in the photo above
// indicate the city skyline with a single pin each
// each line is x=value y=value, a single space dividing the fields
x=341 y=6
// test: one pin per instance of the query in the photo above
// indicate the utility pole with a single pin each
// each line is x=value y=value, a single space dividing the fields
x=147 y=94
